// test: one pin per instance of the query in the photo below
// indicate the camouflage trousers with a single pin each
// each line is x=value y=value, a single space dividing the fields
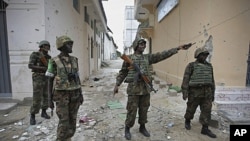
x=140 y=102
x=67 y=105
x=205 y=107
x=40 y=93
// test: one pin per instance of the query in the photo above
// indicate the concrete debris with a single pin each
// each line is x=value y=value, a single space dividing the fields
x=102 y=115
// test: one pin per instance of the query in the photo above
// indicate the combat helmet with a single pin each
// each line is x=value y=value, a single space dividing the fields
x=139 y=42
x=44 y=42
x=199 y=51
x=61 y=40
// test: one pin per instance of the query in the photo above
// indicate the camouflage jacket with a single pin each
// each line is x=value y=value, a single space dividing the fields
x=36 y=59
x=187 y=76
x=152 y=59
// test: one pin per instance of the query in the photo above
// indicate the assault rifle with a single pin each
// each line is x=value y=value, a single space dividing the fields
x=139 y=72
x=43 y=59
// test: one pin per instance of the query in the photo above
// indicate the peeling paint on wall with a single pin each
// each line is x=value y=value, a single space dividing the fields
x=209 y=46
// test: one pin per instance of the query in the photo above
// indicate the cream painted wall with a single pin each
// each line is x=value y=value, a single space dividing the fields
x=226 y=21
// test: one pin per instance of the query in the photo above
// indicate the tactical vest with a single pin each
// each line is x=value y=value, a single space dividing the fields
x=202 y=75
x=61 y=81
x=142 y=62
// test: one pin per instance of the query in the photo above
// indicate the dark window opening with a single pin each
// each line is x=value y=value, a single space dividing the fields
x=76 y=5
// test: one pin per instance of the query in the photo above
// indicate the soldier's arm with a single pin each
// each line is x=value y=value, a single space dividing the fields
x=51 y=70
x=50 y=73
x=122 y=73
x=186 y=78
x=121 y=76
x=159 y=56
x=213 y=86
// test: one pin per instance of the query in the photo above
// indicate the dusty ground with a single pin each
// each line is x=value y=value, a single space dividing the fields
x=105 y=122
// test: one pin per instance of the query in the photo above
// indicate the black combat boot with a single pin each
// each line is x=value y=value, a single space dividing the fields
x=206 y=131
x=44 y=114
x=144 y=131
x=127 y=133
x=32 y=119
x=187 y=124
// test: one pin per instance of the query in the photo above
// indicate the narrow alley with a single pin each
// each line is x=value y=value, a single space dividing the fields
x=102 y=115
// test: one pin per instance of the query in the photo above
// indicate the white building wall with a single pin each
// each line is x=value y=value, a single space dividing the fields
x=109 y=48
x=90 y=35
x=98 y=52
x=23 y=39
x=31 y=21
x=106 y=55
x=113 y=54
x=62 y=19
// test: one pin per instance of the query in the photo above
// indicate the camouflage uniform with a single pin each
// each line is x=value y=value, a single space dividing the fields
x=40 y=91
x=199 y=87
x=67 y=91
x=200 y=94
x=138 y=93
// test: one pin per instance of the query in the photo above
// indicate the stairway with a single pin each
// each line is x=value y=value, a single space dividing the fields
x=233 y=104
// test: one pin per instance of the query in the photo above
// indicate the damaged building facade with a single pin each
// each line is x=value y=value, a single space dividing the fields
x=221 y=26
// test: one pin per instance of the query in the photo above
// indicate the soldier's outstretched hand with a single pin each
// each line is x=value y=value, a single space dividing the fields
x=186 y=46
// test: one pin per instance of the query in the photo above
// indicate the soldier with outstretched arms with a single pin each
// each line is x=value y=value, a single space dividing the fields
x=140 y=84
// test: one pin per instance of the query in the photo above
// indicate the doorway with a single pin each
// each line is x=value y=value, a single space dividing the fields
x=248 y=69
x=5 y=81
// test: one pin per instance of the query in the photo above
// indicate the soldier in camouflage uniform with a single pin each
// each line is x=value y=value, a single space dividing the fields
x=67 y=92
x=198 y=87
x=138 y=92
x=38 y=64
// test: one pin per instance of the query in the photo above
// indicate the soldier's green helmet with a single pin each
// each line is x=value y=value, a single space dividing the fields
x=199 y=51
x=44 y=42
x=139 y=42
x=61 y=40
